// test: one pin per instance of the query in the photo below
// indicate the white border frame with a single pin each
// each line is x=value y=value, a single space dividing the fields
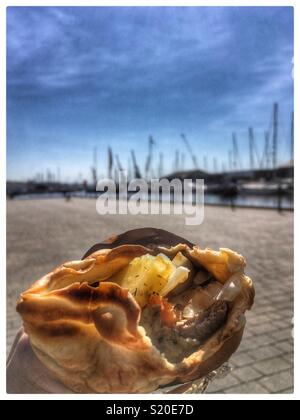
x=135 y=397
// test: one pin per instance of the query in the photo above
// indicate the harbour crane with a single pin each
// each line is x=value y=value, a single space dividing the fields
x=182 y=161
x=176 y=161
x=94 y=175
x=205 y=166
x=275 y=135
x=110 y=162
x=230 y=160
x=137 y=172
x=251 y=147
x=253 y=154
x=94 y=167
x=129 y=170
x=189 y=149
x=215 y=165
x=161 y=165
x=265 y=161
x=236 y=160
x=151 y=143
x=58 y=174
x=120 y=167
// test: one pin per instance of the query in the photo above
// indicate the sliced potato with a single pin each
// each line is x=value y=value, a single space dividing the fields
x=148 y=275
x=179 y=276
x=145 y=276
x=181 y=261
x=181 y=282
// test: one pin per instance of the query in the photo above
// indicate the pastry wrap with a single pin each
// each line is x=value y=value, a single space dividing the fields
x=88 y=330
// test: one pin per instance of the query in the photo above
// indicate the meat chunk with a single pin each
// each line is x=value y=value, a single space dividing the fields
x=187 y=335
x=204 y=324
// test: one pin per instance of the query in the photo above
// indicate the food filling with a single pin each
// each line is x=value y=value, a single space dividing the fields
x=179 y=339
x=149 y=275
x=182 y=307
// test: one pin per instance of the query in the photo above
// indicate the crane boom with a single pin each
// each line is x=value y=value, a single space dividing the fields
x=275 y=134
x=182 y=161
x=205 y=166
x=150 y=153
x=230 y=160
x=94 y=167
x=251 y=147
x=215 y=164
x=176 y=162
x=234 y=151
x=161 y=165
x=120 y=167
x=189 y=149
x=237 y=163
x=110 y=162
x=137 y=172
x=266 y=155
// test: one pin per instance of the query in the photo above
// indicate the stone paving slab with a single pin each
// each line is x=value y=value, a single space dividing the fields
x=41 y=234
x=278 y=382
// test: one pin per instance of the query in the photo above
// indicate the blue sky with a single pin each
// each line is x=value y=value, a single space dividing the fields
x=79 y=78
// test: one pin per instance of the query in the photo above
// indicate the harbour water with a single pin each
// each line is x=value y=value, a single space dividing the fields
x=284 y=202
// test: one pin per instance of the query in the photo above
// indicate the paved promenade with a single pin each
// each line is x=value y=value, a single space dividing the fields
x=41 y=234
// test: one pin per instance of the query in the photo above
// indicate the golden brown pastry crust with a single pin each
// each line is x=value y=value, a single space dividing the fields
x=90 y=337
